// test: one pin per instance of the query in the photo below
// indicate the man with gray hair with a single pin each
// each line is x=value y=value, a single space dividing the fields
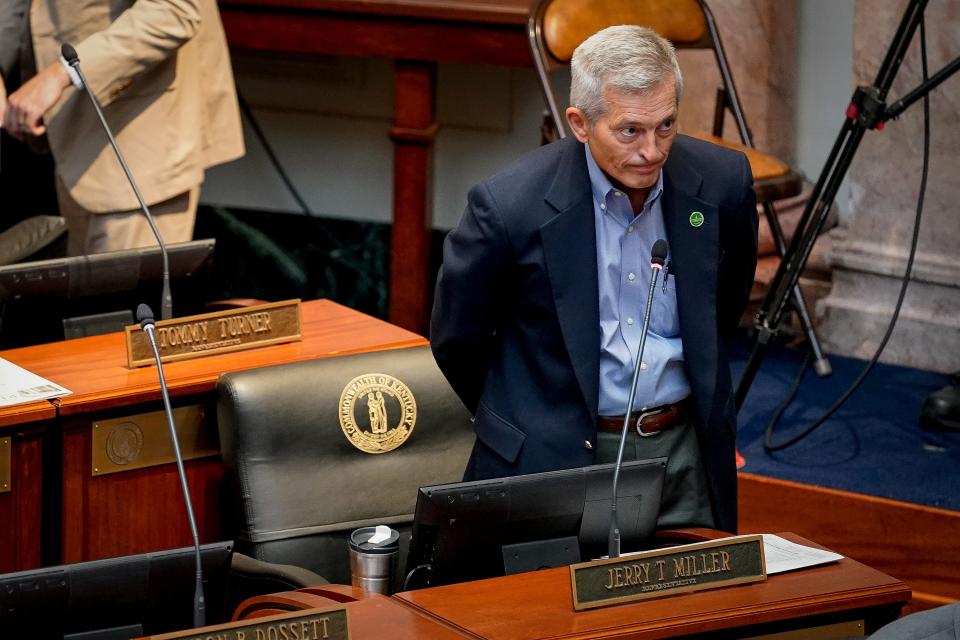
x=540 y=300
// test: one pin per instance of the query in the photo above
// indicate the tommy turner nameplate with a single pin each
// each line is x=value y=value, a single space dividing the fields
x=653 y=574
x=218 y=332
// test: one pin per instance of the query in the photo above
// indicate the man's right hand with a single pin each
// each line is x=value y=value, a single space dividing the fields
x=24 y=113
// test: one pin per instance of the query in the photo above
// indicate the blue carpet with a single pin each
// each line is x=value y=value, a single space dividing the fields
x=872 y=445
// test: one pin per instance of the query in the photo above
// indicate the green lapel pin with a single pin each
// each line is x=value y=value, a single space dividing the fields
x=696 y=219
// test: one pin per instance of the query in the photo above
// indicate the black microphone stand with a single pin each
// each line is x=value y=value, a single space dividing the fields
x=145 y=317
x=613 y=541
x=867 y=110
x=166 y=301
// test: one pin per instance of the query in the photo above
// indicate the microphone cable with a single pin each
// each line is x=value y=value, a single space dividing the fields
x=271 y=154
x=349 y=256
x=768 y=443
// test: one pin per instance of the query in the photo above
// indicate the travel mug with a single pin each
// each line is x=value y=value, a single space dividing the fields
x=374 y=552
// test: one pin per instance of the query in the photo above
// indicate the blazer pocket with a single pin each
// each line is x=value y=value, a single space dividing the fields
x=498 y=434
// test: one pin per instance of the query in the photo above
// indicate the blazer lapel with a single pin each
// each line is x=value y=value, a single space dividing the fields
x=570 y=253
x=694 y=260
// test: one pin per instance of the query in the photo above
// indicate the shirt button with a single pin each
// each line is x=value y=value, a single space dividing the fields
x=643 y=366
x=630 y=229
x=631 y=276
x=617 y=193
x=630 y=321
x=603 y=206
x=588 y=445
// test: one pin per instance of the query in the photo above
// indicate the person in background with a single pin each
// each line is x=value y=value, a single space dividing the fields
x=161 y=71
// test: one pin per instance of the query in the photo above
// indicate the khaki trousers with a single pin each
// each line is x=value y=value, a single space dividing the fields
x=99 y=232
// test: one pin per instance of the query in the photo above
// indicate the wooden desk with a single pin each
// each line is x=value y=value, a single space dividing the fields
x=415 y=34
x=370 y=615
x=141 y=510
x=22 y=432
x=25 y=413
x=838 y=600
x=539 y=605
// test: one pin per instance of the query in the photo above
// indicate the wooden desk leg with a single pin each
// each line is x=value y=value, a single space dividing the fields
x=413 y=131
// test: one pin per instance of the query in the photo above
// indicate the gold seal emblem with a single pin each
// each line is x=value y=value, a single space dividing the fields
x=387 y=408
x=124 y=443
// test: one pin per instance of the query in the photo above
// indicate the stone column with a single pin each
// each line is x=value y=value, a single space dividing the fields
x=869 y=252
x=759 y=38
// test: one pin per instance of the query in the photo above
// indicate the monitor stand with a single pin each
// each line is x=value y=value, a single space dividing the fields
x=540 y=554
x=96 y=324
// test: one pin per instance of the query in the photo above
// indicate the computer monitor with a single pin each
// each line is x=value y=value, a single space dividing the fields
x=486 y=528
x=115 y=598
x=50 y=300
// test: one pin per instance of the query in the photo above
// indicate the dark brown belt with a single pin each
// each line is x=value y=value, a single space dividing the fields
x=651 y=421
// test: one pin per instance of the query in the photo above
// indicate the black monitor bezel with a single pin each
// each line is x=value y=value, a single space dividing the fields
x=150 y=591
x=430 y=562
x=36 y=298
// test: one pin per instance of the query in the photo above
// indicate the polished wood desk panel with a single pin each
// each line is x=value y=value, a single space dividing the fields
x=912 y=542
x=415 y=34
x=465 y=31
x=371 y=615
x=141 y=509
x=95 y=369
x=540 y=605
x=25 y=413
x=20 y=502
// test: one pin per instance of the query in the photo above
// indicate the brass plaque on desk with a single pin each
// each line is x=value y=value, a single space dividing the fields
x=218 y=332
x=327 y=623
x=665 y=572
x=5 y=467
x=143 y=440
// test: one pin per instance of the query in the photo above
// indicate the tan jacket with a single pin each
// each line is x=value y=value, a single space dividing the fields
x=161 y=71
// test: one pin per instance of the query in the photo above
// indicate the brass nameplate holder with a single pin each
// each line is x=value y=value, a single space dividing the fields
x=218 y=332
x=5 y=482
x=327 y=623
x=654 y=574
x=143 y=440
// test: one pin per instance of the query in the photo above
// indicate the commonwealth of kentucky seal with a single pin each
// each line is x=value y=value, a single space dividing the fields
x=124 y=443
x=377 y=412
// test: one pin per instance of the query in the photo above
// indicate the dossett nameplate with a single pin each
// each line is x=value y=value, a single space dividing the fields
x=328 y=623
x=218 y=332
x=654 y=574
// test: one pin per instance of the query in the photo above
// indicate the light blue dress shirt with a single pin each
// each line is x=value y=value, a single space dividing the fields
x=624 y=242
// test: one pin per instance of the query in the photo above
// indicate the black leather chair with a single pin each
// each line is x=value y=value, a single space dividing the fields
x=299 y=484
x=35 y=238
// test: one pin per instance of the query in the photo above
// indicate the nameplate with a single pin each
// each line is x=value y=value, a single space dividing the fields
x=327 y=623
x=217 y=332
x=665 y=572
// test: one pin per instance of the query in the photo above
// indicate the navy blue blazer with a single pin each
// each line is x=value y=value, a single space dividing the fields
x=515 y=324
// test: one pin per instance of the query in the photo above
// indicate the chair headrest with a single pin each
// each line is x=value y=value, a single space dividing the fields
x=567 y=23
x=335 y=443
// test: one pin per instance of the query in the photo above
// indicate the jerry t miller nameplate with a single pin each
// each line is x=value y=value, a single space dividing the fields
x=654 y=574
x=218 y=332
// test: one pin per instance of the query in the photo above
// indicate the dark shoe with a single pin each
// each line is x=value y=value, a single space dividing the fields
x=941 y=409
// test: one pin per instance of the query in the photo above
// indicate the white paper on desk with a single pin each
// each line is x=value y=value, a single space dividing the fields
x=782 y=555
x=779 y=555
x=18 y=386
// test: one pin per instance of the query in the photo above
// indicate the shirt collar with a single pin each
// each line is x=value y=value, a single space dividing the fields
x=601 y=186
